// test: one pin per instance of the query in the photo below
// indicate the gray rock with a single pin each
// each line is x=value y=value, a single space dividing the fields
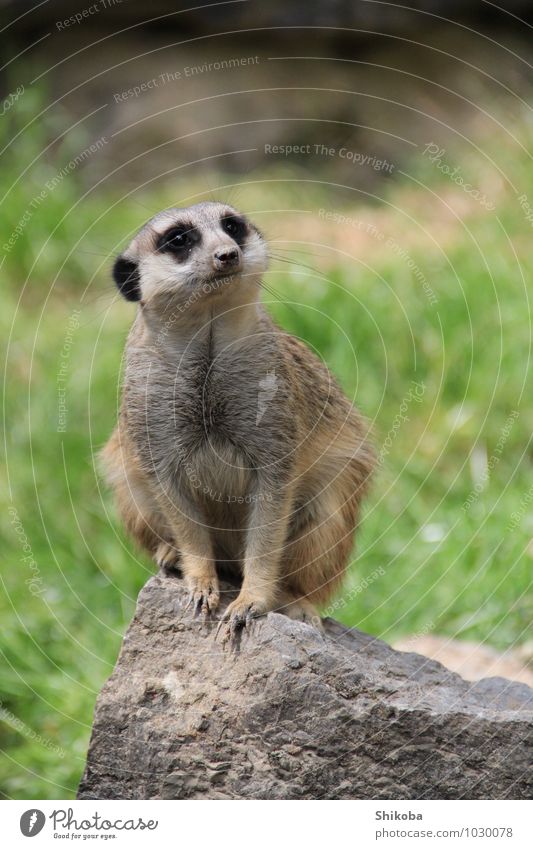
x=296 y=715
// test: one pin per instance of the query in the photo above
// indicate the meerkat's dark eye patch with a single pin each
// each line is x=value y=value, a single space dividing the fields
x=126 y=276
x=235 y=227
x=179 y=240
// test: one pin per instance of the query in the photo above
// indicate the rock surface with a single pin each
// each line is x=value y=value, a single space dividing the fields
x=296 y=715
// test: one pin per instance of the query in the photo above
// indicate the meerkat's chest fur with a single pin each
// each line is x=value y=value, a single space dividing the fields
x=206 y=415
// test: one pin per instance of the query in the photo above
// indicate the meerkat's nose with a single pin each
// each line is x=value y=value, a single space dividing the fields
x=226 y=258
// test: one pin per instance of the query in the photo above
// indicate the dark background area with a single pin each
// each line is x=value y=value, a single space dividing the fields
x=382 y=73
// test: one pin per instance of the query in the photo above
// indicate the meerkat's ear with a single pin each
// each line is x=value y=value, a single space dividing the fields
x=126 y=276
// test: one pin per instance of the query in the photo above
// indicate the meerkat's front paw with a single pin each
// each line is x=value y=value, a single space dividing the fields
x=204 y=595
x=166 y=556
x=239 y=614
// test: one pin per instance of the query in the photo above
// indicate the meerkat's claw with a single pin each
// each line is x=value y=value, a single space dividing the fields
x=203 y=604
x=233 y=630
x=166 y=556
x=203 y=597
x=238 y=616
x=221 y=624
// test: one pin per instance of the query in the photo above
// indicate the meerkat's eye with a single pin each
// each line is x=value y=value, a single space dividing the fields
x=178 y=240
x=175 y=239
x=235 y=227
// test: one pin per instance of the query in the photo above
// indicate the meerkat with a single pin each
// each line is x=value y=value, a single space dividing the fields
x=235 y=447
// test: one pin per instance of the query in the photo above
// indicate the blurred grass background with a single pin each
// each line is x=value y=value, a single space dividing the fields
x=454 y=571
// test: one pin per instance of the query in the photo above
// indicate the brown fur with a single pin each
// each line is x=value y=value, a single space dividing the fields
x=235 y=445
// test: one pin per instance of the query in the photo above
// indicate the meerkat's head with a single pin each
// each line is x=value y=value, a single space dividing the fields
x=191 y=251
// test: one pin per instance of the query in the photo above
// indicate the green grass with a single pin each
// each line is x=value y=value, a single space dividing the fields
x=453 y=571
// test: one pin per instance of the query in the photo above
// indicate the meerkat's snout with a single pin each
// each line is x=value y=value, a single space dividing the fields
x=183 y=249
x=227 y=259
